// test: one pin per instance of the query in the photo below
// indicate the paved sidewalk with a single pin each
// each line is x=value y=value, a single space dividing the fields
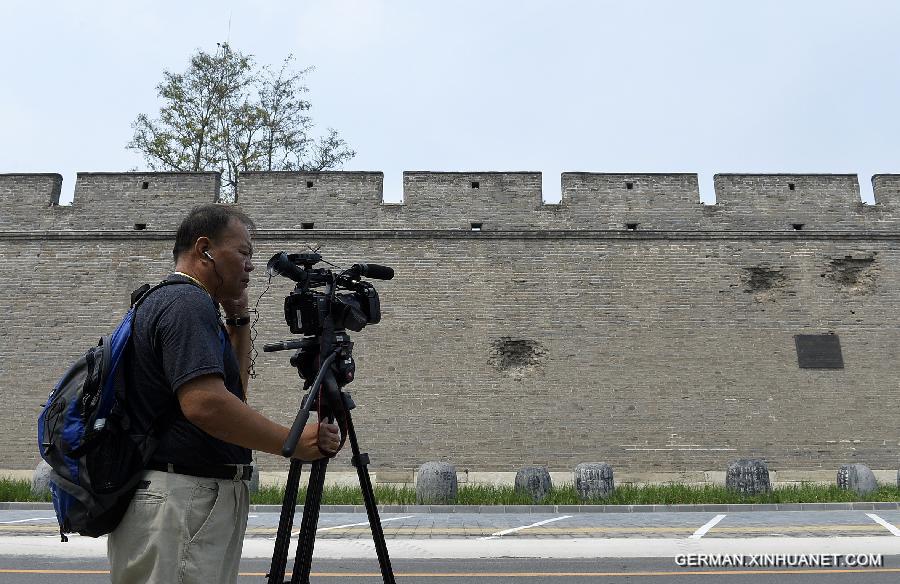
x=515 y=532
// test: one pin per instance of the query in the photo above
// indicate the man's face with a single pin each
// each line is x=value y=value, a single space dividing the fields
x=232 y=251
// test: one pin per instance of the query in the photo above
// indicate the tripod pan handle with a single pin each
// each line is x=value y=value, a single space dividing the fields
x=287 y=449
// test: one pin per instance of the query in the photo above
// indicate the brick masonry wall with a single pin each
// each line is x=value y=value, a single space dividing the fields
x=643 y=201
x=133 y=201
x=886 y=188
x=457 y=200
x=780 y=202
x=25 y=198
x=650 y=350
x=324 y=200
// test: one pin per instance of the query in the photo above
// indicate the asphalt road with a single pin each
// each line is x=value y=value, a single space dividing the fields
x=492 y=571
x=525 y=547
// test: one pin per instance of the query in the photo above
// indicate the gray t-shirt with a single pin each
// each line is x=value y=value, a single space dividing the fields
x=177 y=337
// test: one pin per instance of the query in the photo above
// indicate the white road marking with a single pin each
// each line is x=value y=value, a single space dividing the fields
x=504 y=547
x=297 y=532
x=884 y=524
x=515 y=529
x=709 y=525
x=26 y=520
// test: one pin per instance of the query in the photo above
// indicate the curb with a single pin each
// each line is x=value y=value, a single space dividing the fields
x=726 y=508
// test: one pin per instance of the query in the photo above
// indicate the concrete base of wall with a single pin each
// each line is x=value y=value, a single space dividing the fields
x=781 y=478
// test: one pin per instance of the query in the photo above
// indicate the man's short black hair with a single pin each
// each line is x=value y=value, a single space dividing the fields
x=206 y=221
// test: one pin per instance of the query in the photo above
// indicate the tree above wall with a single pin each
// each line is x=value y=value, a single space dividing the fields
x=226 y=114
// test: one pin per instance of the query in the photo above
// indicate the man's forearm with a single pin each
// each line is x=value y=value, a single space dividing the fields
x=221 y=415
x=240 y=342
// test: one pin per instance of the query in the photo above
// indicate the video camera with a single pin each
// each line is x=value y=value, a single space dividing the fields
x=307 y=310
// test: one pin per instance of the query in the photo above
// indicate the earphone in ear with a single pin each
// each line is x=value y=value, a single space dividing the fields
x=206 y=253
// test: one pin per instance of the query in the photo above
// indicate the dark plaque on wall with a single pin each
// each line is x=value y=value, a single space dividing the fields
x=819 y=352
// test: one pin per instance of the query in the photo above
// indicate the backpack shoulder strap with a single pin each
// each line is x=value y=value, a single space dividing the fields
x=141 y=294
x=137 y=294
x=161 y=422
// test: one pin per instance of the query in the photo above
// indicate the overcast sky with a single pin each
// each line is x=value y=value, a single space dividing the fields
x=516 y=85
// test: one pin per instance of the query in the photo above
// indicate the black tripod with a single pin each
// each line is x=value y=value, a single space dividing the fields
x=335 y=371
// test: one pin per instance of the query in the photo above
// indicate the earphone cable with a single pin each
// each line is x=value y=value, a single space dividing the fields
x=254 y=354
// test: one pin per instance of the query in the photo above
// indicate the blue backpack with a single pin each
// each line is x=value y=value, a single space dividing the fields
x=83 y=434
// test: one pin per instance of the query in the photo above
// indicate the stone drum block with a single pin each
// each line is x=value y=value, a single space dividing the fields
x=40 y=479
x=254 y=479
x=748 y=476
x=856 y=477
x=534 y=481
x=594 y=480
x=436 y=484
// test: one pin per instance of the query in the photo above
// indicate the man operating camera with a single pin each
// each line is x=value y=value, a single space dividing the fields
x=187 y=374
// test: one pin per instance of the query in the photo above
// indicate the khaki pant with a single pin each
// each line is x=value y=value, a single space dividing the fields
x=180 y=530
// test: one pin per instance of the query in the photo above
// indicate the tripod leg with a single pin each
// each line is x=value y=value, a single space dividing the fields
x=361 y=462
x=283 y=537
x=307 y=538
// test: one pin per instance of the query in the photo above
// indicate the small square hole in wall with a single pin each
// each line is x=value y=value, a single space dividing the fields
x=629 y=185
x=631 y=226
x=308 y=225
x=309 y=184
x=140 y=226
x=790 y=186
x=797 y=226
x=476 y=226
x=145 y=185
x=819 y=351
x=476 y=184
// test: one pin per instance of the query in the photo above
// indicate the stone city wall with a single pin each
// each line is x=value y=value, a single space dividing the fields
x=629 y=323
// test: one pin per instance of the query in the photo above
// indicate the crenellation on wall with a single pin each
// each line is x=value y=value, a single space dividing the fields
x=637 y=201
x=314 y=200
x=459 y=201
x=138 y=200
x=27 y=200
x=786 y=202
x=494 y=201
x=886 y=188
x=885 y=213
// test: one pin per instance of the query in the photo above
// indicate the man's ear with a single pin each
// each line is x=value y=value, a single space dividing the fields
x=201 y=245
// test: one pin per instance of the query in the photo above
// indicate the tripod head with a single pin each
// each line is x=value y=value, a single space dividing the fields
x=306 y=356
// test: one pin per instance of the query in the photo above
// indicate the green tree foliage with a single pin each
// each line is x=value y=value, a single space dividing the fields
x=226 y=114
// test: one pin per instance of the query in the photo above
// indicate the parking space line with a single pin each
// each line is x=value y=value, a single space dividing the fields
x=366 y=523
x=709 y=525
x=515 y=529
x=26 y=520
x=884 y=524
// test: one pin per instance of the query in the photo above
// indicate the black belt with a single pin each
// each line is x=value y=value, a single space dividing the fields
x=217 y=471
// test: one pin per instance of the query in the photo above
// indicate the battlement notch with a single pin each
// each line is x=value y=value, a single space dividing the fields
x=26 y=198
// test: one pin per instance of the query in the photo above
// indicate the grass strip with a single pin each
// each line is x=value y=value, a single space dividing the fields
x=623 y=495
x=19 y=490
x=669 y=494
